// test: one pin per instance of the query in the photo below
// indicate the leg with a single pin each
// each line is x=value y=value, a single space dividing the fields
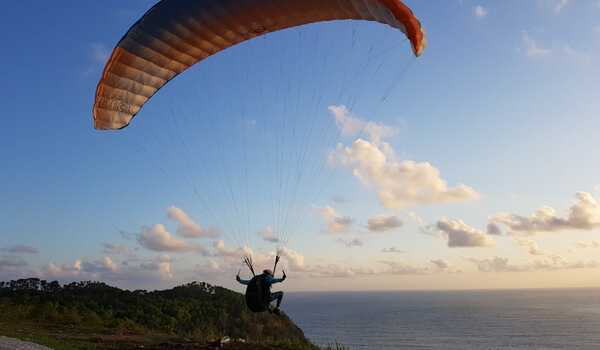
x=277 y=296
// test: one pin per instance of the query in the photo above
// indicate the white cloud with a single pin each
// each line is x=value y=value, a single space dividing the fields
x=496 y=264
x=531 y=245
x=584 y=214
x=440 y=264
x=351 y=242
x=460 y=234
x=157 y=238
x=551 y=262
x=399 y=268
x=399 y=184
x=162 y=265
x=338 y=271
x=334 y=222
x=480 y=12
x=589 y=244
x=268 y=235
x=383 y=223
x=560 y=5
x=393 y=250
x=105 y=265
x=351 y=125
x=237 y=253
x=106 y=269
x=577 y=56
x=532 y=48
x=210 y=268
x=391 y=268
x=292 y=258
x=20 y=249
x=63 y=271
x=187 y=227
x=416 y=218
x=99 y=53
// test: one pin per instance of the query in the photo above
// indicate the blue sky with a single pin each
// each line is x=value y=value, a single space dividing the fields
x=504 y=101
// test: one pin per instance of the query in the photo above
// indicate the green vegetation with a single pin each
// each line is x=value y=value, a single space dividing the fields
x=93 y=315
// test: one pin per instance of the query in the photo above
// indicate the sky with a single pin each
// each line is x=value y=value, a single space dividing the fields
x=470 y=167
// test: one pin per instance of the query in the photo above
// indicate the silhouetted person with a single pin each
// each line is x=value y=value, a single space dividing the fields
x=268 y=280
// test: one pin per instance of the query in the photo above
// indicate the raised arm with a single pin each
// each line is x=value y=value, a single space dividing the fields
x=278 y=280
x=242 y=281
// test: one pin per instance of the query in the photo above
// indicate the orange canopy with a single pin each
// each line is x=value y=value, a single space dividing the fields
x=176 y=34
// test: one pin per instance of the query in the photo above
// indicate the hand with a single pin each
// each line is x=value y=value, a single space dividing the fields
x=237 y=277
x=284 y=276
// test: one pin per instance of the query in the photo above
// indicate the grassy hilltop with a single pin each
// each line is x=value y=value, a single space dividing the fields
x=93 y=315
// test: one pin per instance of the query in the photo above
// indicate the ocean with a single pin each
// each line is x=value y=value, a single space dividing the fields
x=461 y=320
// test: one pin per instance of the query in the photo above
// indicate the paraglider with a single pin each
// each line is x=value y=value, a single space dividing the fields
x=174 y=35
x=258 y=291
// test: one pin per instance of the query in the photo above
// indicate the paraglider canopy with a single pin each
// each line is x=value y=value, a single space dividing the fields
x=176 y=34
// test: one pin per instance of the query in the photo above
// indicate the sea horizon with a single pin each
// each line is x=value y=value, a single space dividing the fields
x=516 y=319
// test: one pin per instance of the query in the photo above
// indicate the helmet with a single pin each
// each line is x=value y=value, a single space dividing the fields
x=268 y=272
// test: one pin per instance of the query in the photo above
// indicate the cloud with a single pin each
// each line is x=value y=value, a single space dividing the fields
x=187 y=227
x=399 y=184
x=99 y=53
x=416 y=218
x=493 y=229
x=148 y=272
x=116 y=249
x=338 y=271
x=560 y=5
x=339 y=199
x=11 y=263
x=576 y=55
x=63 y=271
x=351 y=243
x=210 y=268
x=532 y=48
x=105 y=265
x=294 y=259
x=351 y=125
x=480 y=12
x=532 y=247
x=162 y=265
x=268 y=235
x=584 y=214
x=222 y=251
x=460 y=234
x=590 y=244
x=551 y=262
x=399 y=268
x=383 y=223
x=393 y=250
x=440 y=264
x=334 y=222
x=83 y=269
x=496 y=264
x=20 y=249
x=158 y=239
